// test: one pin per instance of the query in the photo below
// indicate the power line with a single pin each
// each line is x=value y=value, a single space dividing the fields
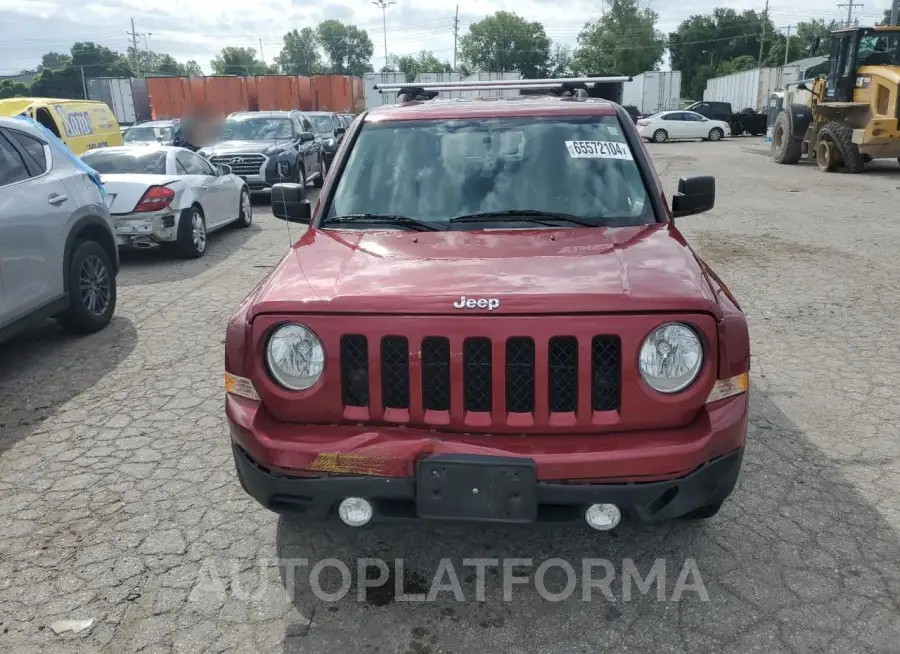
x=850 y=5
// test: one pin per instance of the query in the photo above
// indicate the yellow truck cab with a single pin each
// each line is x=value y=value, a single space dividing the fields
x=81 y=124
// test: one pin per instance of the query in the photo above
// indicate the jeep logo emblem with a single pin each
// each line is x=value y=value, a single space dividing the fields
x=476 y=303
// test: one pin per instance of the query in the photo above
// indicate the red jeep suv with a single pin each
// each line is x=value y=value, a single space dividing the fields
x=492 y=317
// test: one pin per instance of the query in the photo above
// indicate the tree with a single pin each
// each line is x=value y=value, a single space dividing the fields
x=192 y=69
x=237 y=61
x=560 y=63
x=348 y=48
x=623 y=41
x=60 y=75
x=814 y=37
x=722 y=35
x=300 y=53
x=506 y=42
x=13 y=89
x=99 y=61
x=736 y=65
x=54 y=61
x=424 y=62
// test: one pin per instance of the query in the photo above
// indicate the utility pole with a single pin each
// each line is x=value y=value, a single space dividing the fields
x=895 y=6
x=762 y=38
x=456 y=34
x=134 y=48
x=787 y=44
x=384 y=4
x=83 y=83
x=262 y=57
x=850 y=5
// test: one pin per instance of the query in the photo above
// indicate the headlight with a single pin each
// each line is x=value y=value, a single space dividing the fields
x=671 y=358
x=295 y=357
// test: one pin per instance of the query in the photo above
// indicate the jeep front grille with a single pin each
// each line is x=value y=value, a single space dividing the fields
x=249 y=164
x=421 y=375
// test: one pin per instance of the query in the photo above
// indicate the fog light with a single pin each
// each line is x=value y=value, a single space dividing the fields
x=355 y=511
x=284 y=168
x=603 y=517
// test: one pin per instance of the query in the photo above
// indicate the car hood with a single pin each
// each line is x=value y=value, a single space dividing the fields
x=631 y=269
x=234 y=147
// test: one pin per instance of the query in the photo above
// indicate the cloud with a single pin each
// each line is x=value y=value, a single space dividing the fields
x=200 y=28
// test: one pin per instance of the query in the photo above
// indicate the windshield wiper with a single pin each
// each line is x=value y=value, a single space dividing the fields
x=405 y=221
x=524 y=215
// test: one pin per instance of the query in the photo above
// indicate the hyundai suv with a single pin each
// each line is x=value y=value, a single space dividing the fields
x=492 y=317
x=58 y=255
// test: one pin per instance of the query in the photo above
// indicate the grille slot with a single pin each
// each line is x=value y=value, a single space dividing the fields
x=477 y=394
x=606 y=371
x=520 y=375
x=354 y=370
x=436 y=374
x=395 y=372
x=249 y=164
x=562 y=374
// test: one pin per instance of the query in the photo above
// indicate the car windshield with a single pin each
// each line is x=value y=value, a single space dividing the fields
x=112 y=162
x=256 y=129
x=439 y=170
x=143 y=134
x=322 y=123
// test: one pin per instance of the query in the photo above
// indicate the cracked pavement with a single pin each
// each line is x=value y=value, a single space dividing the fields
x=119 y=502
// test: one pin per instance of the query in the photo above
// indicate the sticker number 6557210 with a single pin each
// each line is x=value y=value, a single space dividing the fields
x=598 y=150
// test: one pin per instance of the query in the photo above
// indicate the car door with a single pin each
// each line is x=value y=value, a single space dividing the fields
x=200 y=179
x=309 y=150
x=34 y=207
x=224 y=188
x=674 y=125
x=695 y=126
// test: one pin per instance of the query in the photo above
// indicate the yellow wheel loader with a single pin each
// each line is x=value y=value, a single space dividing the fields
x=852 y=113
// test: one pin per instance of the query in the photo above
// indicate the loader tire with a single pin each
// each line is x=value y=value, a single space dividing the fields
x=785 y=148
x=842 y=135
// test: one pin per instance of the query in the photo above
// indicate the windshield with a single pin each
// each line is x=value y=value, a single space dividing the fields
x=879 y=50
x=322 y=123
x=256 y=129
x=144 y=134
x=439 y=170
x=111 y=162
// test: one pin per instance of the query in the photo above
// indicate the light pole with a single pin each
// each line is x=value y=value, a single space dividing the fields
x=710 y=56
x=384 y=4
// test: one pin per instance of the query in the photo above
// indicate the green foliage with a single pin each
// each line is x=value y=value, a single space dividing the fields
x=424 y=62
x=623 y=41
x=300 y=54
x=238 y=61
x=503 y=42
x=12 y=89
x=348 y=48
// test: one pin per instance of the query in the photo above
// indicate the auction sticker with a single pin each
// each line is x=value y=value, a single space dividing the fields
x=598 y=150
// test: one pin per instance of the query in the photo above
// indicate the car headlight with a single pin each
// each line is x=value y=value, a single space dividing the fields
x=671 y=358
x=295 y=357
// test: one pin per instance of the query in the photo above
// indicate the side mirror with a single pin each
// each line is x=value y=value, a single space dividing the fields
x=695 y=195
x=339 y=130
x=224 y=169
x=306 y=137
x=289 y=203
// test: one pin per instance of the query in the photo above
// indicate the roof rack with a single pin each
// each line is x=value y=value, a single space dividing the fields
x=575 y=86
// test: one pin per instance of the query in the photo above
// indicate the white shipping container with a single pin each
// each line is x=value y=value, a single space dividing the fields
x=439 y=78
x=116 y=92
x=487 y=77
x=653 y=91
x=373 y=97
x=750 y=88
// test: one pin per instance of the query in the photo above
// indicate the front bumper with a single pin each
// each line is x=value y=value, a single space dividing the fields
x=272 y=170
x=651 y=476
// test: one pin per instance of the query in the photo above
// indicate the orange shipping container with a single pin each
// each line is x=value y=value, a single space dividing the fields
x=252 y=94
x=278 y=92
x=359 y=96
x=225 y=93
x=320 y=85
x=167 y=97
x=304 y=94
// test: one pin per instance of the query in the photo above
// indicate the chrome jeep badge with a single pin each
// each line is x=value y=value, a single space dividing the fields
x=476 y=303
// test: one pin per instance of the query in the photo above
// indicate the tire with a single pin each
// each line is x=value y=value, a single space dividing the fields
x=245 y=210
x=91 y=280
x=704 y=512
x=660 y=136
x=319 y=181
x=716 y=134
x=191 y=242
x=785 y=148
x=842 y=136
x=826 y=154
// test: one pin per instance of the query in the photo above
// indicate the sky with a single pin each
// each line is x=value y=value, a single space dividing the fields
x=200 y=28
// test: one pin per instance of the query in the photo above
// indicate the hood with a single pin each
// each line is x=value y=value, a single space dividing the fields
x=124 y=191
x=631 y=269
x=234 y=147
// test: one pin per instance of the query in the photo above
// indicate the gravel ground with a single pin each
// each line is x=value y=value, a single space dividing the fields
x=119 y=503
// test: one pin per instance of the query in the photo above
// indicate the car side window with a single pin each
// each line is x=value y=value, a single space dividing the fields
x=687 y=115
x=673 y=116
x=307 y=126
x=34 y=147
x=12 y=166
x=201 y=165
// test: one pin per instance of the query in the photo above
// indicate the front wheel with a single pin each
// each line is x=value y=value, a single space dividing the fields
x=660 y=136
x=92 y=289
x=716 y=134
x=245 y=209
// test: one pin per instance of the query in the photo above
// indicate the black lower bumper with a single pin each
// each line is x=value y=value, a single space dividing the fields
x=316 y=498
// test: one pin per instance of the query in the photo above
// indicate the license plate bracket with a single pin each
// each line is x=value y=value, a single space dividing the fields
x=476 y=488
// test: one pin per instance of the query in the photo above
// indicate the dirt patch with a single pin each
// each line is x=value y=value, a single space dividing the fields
x=718 y=248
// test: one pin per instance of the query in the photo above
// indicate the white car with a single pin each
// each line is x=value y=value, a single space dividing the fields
x=675 y=125
x=164 y=195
